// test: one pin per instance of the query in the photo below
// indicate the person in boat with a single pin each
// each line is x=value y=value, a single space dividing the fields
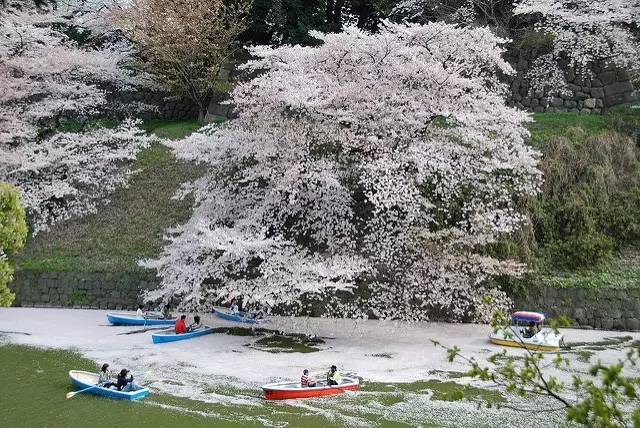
x=532 y=330
x=258 y=315
x=307 y=381
x=195 y=324
x=166 y=313
x=181 y=326
x=125 y=381
x=235 y=310
x=333 y=377
x=106 y=377
x=140 y=313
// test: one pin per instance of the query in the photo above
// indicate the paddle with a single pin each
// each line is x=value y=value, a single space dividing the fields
x=15 y=332
x=74 y=393
x=142 y=331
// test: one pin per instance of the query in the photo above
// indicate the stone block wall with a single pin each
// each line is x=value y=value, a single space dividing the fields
x=166 y=108
x=81 y=290
x=601 y=308
x=606 y=308
x=608 y=87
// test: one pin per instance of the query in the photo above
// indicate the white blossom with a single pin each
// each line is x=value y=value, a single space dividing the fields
x=587 y=31
x=368 y=172
x=45 y=76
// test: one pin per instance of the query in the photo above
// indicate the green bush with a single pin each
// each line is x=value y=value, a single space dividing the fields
x=13 y=234
x=6 y=276
x=575 y=252
x=536 y=40
x=589 y=207
x=13 y=225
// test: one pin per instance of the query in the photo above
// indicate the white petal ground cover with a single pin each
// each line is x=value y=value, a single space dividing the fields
x=376 y=351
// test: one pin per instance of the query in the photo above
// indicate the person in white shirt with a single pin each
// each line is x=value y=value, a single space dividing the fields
x=106 y=377
x=195 y=325
x=306 y=380
x=140 y=312
x=234 y=307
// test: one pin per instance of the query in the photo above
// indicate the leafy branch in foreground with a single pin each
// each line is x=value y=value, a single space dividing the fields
x=605 y=396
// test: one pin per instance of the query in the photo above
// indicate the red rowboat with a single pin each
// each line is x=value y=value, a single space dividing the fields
x=289 y=390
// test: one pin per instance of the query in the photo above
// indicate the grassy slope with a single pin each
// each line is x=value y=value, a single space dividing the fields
x=131 y=226
x=574 y=126
x=624 y=271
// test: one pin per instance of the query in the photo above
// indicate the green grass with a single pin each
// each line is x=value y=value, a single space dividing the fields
x=129 y=228
x=575 y=127
x=171 y=129
x=623 y=272
x=77 y=126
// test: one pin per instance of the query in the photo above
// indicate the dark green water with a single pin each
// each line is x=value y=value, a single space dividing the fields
x=34 y=382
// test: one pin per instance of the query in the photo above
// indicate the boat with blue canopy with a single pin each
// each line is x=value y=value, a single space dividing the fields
x=171 y=336
x=527 y=331
x=89 y=381
x=132 y=319
x=239 y=316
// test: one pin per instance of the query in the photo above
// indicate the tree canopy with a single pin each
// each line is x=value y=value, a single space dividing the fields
x=378 y=164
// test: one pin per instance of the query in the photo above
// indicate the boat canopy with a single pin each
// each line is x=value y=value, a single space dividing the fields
x=526 y=316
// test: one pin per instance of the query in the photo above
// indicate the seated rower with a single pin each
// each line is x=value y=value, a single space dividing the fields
x=532 y=330
x=196 y=324
x=307 y=381
x=181 y=326
x=333 y=377
x=125 y=383
x=106 y=377
x=234 y=307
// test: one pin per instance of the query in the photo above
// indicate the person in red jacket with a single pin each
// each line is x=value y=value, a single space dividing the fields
x=181 y=326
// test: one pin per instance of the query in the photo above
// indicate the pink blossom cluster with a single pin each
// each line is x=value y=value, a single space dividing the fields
x=369 y=173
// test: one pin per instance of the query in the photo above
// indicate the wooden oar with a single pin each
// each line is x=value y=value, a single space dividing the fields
x=74 y=393
x=142 y=331
x=15 y=332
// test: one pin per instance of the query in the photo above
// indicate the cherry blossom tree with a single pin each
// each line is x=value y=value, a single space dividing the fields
x=368 y=173
x=70 y=174
x=586 y=31
x=46 y=77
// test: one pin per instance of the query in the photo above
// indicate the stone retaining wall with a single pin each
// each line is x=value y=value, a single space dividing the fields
x=608 y=87
x=81 y=290
x=166 y=108
x=604 y=308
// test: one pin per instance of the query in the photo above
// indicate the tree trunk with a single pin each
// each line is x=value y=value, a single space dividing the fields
x=334 y=15
x=202 y=113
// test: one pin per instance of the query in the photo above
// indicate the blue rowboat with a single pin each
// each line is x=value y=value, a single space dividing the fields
x=83 y=380
x=171 y=336
x=126 y=319
x=242 y=317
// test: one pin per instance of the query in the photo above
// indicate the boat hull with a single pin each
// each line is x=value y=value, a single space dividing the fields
x=544 y=341
x=225 y=314
x=82 y=380
x=530 y=346
x=171 y=336
x=123 y=319
x=289 y=391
